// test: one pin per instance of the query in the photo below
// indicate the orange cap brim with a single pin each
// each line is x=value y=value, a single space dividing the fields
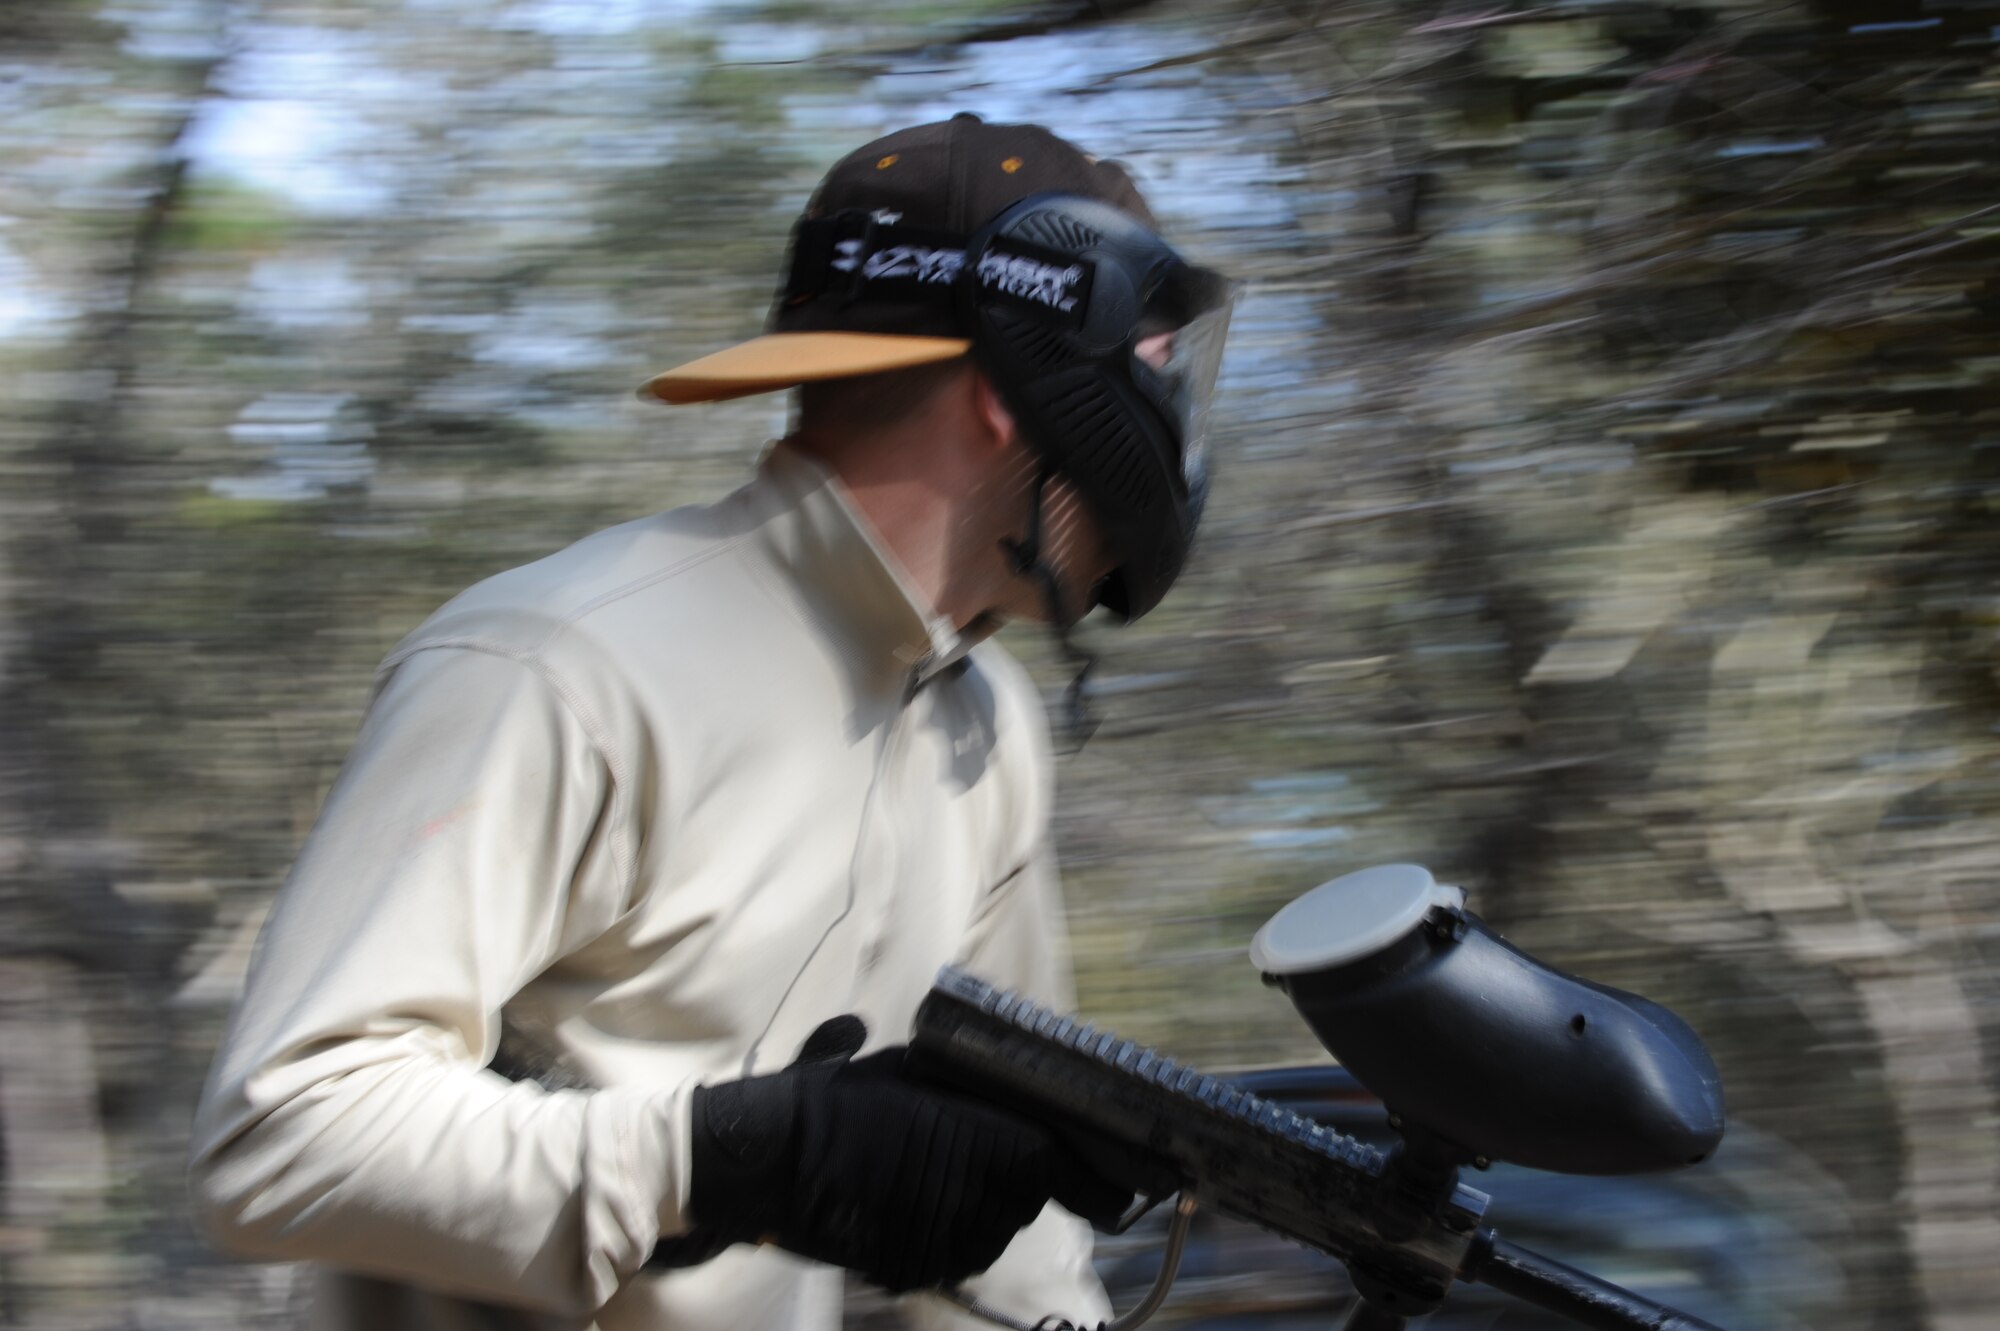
x=786 y=360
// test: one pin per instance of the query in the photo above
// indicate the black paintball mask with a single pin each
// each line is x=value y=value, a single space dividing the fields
x=1104 y=343
x=1101 y=340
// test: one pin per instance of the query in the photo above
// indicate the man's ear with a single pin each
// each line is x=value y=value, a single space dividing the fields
x=991 y=412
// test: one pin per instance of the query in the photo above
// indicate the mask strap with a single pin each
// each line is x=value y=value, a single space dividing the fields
x=1027 y=558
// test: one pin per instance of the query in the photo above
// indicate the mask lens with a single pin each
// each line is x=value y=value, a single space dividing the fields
x=1193 y=358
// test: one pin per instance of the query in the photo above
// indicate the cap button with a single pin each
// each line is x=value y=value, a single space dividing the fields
x=973 y=116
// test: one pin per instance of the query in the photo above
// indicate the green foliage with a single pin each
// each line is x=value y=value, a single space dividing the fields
x=229 y=219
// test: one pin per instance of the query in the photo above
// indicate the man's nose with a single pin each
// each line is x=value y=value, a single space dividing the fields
x=1155 y=350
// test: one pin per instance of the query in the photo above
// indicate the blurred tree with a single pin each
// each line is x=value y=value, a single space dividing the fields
x=1607 y=509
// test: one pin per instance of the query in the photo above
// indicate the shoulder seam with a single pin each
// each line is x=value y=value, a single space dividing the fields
x=593 y=727
x=625 y=589
x=558 y=624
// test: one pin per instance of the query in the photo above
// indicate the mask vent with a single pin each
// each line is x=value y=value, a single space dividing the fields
x=1030 y=340
x=1058 y=232
x=1116 y=454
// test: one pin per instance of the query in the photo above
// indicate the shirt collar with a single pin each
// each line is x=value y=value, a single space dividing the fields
x=854 y=581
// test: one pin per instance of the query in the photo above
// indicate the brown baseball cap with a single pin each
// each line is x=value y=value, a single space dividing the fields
x=935 y=185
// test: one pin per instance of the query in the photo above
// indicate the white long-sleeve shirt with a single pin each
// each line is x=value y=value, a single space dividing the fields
x=658 y=804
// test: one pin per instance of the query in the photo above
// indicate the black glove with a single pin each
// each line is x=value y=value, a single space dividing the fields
x=850 y=1162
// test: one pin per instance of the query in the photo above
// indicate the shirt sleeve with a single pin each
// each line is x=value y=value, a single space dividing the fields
x=474 y=836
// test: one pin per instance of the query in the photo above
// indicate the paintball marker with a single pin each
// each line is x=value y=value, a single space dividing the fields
x=1479 y=1051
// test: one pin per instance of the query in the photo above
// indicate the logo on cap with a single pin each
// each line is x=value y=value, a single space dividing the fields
x=1030 y=279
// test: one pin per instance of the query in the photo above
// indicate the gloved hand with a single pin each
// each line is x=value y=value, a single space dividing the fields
x=850 y=1162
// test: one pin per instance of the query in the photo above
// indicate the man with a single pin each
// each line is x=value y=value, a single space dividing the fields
x=640 y=818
